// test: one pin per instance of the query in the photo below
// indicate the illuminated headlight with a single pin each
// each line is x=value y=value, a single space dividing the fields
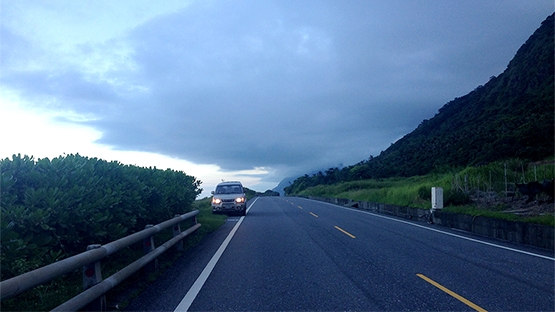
x=240 y=199
x=216 y=201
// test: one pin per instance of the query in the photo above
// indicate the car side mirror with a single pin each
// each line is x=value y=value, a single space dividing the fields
x=212 y=192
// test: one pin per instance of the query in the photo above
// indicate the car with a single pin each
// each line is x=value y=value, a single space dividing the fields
x=229 y=197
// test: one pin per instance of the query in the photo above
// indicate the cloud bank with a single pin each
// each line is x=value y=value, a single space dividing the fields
x=288 y=86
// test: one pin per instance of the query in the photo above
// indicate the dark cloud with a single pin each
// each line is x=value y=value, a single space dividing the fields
x=291 y=85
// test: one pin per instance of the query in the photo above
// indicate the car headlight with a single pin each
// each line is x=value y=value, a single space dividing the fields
x=216 y=201
x=240 y=199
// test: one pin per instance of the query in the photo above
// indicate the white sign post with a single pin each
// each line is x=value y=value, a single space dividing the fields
x=437 y=198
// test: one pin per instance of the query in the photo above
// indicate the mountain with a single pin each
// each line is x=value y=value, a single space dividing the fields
x=282 y=185
x=511 y=116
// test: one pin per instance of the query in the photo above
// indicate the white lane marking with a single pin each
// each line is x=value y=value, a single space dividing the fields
x=446 y=233
x=197 y=286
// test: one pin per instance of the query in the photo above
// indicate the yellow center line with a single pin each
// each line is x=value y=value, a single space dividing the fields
x=314 y=214
x=345 y=232
x=451 y=293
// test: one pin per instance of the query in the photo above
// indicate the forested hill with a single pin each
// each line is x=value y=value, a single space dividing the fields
x=511 y=116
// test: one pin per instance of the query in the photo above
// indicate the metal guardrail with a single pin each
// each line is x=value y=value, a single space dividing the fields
x=21 y=283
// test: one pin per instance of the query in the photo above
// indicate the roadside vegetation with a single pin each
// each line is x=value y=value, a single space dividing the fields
x=53 y=209
x=49 y=296
x=486 y=190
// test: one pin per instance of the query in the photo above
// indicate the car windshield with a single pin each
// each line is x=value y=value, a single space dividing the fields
x=229 y=189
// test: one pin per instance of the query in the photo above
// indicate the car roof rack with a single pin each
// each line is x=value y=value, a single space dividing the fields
x=230 y=182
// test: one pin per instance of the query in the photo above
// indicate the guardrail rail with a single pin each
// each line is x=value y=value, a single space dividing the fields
x=95 y=287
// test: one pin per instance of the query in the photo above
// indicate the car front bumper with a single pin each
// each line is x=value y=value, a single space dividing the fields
x=229 y=207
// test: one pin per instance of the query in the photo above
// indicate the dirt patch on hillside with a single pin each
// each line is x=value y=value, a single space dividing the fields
x=516 y=204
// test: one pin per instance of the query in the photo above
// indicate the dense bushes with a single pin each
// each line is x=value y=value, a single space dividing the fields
x=52 y=209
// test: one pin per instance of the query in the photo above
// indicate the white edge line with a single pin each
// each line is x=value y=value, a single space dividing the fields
x=186 y=302
x=446 y=233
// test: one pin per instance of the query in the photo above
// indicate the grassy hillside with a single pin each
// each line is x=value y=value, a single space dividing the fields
x=473 y=190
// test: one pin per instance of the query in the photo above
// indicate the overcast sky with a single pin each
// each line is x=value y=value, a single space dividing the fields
x=245 y=90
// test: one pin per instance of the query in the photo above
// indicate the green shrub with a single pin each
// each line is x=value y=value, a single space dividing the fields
x=455 y=198
x=424 y=193
x=52 y=209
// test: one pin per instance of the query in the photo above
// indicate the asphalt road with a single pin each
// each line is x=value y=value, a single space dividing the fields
x=295 y=254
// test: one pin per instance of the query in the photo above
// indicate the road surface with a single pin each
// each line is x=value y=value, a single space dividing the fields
x=296 y=254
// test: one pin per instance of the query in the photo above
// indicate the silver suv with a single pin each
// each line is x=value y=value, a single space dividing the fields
x=229 y=197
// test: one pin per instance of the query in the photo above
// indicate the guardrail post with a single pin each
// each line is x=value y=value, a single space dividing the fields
x=148 y=246
x=176 y=232
x=92 y=276
x=194 y=223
